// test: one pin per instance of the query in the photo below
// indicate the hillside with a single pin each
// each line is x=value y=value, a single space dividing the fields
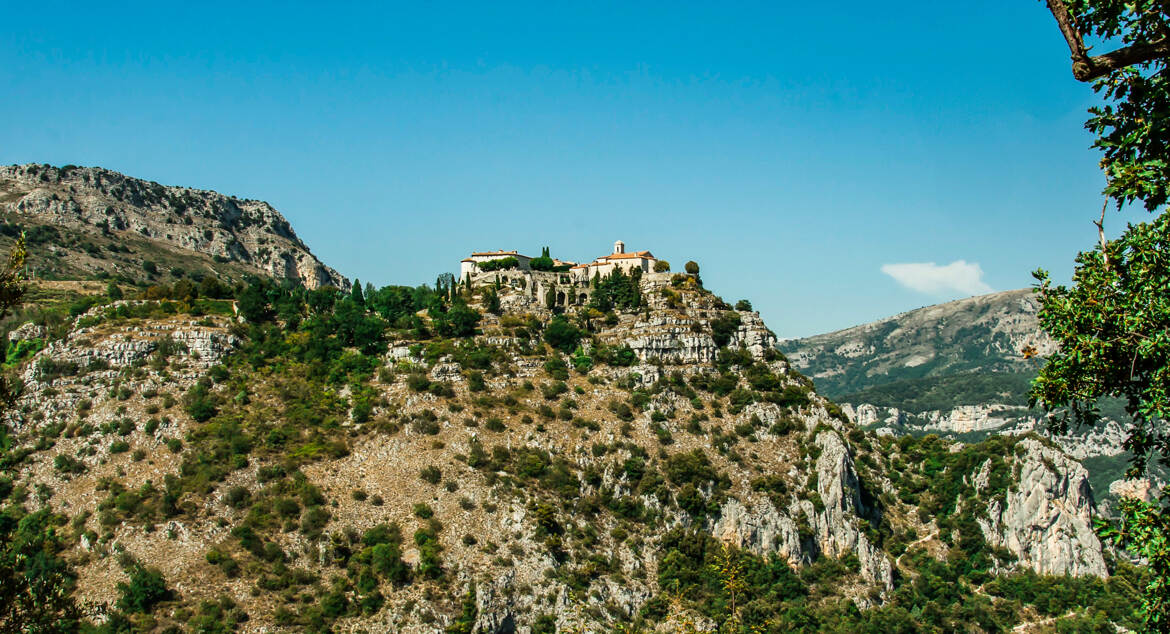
x=93 y=223
x=474 y=459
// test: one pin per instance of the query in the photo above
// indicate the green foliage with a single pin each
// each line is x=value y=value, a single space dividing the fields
x=431 y=474
x=947 y=392
x=458 y=321
x=1144 y=530
x=36 y=582
x=617 y=290
x=502 y=264
x=468 y=612
x=723 y=327
x=145 y=588
x=562 y=335
x=542 y=263
x=1113 y=323
x=1112 y=326
x=427 y=541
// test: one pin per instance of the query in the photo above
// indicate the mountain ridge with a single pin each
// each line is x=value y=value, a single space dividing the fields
x=106 y=215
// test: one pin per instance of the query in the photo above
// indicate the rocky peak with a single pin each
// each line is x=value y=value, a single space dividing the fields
x=101 y=202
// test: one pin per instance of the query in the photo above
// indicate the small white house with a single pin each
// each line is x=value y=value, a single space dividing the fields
x=470 y=265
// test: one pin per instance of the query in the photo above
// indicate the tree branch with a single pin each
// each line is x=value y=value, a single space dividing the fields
x=1101 y=233
x=1086 y=68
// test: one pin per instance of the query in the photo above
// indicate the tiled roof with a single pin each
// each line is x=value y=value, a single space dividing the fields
x=482 y=253
x=626 y=256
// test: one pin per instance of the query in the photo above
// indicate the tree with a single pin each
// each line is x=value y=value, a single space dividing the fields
x=542 y=263
x=492 y=302
x=661 y=266
x=36 y=583
x=356 y=294
x=692 y=267
x=113 y=291
x=743 y=305
x=1112 y=326
x=562 y=335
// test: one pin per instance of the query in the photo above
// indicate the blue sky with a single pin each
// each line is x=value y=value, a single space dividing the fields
x=793 y=149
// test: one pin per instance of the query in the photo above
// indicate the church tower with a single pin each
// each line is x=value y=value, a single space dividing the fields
x=619 y=247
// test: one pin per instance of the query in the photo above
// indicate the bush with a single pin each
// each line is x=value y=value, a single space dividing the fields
x=431 y=474
x=743 y=305
x=146 y=588
x=200 y=404
x=723 y=327
x=238 y=497
x=417 y=382
x=562 y=335
x=621 y=410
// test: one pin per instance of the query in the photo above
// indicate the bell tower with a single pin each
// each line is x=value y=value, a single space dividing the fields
x=619 y=247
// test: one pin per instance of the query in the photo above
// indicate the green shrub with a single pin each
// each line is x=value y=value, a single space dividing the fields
x=145 y=589
x=431 y=474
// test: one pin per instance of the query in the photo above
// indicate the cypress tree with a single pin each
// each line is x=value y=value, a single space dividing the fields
x=356 y=294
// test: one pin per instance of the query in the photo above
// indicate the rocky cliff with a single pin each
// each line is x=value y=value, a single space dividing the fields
x=1046 y=520
x=89 y=220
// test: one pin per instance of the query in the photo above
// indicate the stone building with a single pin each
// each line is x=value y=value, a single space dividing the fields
x=570 y=286
x=470 y=264
x=619 y=259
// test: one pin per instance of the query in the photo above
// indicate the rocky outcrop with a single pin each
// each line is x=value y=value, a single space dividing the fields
x=836 y=526
x=185 y=348
x=26 y=332
x=671 y=340
x=93 y=199
x=1046 y=518
x=761 y=528
x=1106 y=439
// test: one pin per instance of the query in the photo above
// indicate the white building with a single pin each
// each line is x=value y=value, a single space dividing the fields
x=470 y=265
x=619 y=259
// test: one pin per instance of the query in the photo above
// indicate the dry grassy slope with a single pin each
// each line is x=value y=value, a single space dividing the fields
x=507 y=562
x=91 y=209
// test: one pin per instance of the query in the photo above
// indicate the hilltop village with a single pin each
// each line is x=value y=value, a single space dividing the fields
x=570 y=282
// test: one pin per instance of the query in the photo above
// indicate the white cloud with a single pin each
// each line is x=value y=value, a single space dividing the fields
x=959 y=276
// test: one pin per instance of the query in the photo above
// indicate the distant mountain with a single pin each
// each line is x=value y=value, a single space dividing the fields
x=979 y=334
x=85 y=222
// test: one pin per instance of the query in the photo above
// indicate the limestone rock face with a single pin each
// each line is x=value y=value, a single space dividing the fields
x=98 y=352
x=761 y=528
x=836 y=527
x=27 y=331
x=249 y=232
x=1046 y=520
